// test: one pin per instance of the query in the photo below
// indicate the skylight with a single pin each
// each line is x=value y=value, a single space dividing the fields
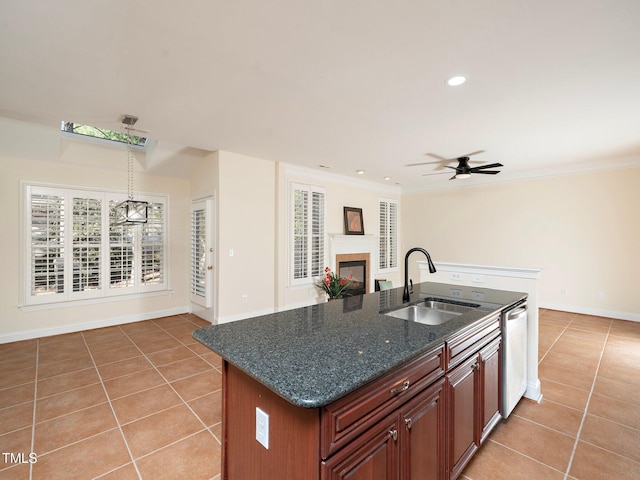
x=102 y=133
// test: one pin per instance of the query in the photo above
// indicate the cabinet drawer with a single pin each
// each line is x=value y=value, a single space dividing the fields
x=462 y=346
x=348 y=417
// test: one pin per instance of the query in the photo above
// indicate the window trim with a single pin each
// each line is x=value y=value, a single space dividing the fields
x=68 y=297
x=311 y=276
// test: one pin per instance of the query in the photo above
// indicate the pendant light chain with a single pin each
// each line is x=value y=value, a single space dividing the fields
x=129 y=163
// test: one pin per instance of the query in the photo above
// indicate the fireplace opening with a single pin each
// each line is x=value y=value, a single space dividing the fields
x=356 y=272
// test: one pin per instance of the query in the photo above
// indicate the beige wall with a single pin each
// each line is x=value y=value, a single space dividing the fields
x=246 y=225
x=65 y=165
x=582 y=230
x=340 y=192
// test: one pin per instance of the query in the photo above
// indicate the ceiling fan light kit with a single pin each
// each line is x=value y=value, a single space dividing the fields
x=463 y=169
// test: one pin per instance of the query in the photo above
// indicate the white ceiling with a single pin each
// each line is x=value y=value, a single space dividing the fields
x=554 y=85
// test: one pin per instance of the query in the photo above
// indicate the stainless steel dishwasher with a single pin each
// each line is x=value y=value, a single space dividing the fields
x=514 y=356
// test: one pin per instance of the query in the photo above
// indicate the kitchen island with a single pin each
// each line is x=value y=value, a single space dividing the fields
x=336 y=379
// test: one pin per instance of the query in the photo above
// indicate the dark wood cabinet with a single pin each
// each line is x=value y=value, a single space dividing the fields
x=491 y=381
x=409 y=444
x=422 y=443
x=462 y=391
x=473 y=393
x=423 y=421
x=373 y=456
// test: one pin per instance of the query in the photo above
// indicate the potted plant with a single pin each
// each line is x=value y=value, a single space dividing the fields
x=333 y=286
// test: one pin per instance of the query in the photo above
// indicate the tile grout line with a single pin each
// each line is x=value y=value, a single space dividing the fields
x=564 y=329
x=35 y=399
x=104 y=389
x=586 y=407
x=153 y=365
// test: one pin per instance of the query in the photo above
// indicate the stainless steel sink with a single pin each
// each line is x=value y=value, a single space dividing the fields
x=432 y=312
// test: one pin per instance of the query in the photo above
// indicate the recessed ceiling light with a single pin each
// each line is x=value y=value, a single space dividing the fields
x=360 y=172
x=387 y=178
x=456 y=80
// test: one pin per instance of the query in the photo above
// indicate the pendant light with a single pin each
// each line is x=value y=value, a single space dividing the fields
x=130 y=212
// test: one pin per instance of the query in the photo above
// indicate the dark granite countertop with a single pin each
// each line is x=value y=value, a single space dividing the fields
x=312 y=356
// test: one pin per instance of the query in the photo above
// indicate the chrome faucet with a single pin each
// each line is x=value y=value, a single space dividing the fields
x=432 y=269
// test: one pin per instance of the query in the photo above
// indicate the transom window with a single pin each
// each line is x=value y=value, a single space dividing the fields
x=102 y=133
x=75 y=251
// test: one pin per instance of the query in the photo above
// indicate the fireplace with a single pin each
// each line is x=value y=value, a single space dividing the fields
x=354 y=266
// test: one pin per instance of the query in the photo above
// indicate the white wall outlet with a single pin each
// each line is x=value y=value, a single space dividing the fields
x=456 y=293
x=564 y=292
x=475 y=278
x=245 y=298
x=455 y=276
x=477 y=295
x=231 y=252
x=262 y=428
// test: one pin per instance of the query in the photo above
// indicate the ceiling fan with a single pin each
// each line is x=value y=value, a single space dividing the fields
x=463 y=169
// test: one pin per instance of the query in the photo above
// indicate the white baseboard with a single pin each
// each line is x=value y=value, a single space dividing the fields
x=533 y=391
x=243 y=316
x=633 y=317
x=77 y=327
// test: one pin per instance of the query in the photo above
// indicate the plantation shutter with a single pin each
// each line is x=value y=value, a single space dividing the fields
x=198 y=253
x=317 y=234
x=152 y=246
x=47 y=246
x=300 y=228
x=388 y=234
x=86 y=243
x=121 y=261
x=308 y=232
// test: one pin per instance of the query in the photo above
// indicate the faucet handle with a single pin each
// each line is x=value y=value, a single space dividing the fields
x=411 y=283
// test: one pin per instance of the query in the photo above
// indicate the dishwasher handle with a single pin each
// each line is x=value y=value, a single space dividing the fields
x=517 y=313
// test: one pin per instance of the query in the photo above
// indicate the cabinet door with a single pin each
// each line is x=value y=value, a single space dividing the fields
x=372 y=456
x=490 y=381
x=463 y=415
x=422 y=444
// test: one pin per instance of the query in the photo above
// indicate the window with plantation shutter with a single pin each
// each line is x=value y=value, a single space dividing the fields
x=388 y=234
x=46 y=242
x=198 y=252
x=86 y=243
x=76 y=252
x=308 y=233
x=152 y=246
x=121 y=242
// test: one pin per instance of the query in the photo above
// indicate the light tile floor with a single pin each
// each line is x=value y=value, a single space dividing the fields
x=587 y=426
x=143 y=400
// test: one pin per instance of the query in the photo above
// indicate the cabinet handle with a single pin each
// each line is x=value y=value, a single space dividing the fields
x=397 y=390
x=393 y=434
x=407 y=422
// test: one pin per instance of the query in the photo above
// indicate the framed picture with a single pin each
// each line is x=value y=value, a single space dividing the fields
x=353 y=221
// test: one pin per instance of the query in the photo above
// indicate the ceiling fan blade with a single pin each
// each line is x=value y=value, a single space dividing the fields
x=473 y=153
x=453 y=178
x=486 y=172
x=490 y=165
x=449 y=166
x=418 y=164
x=439 y=173
x=442 y=159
